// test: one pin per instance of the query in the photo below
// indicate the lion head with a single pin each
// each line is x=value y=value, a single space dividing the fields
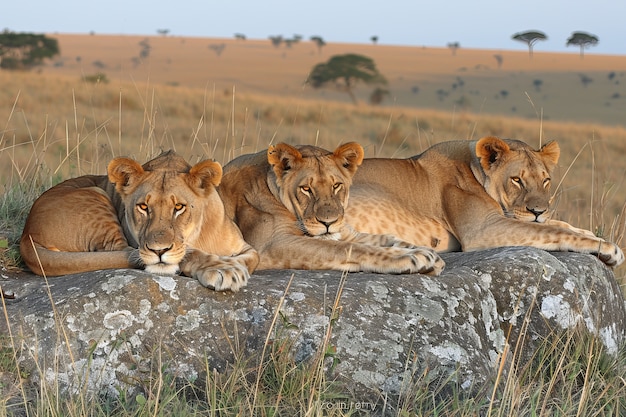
x=166 y=203
x=517 y=176
x=313 y=184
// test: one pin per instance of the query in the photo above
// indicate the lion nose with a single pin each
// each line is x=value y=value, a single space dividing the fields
x=327 y=222
x=536 y=211
x=160 y=251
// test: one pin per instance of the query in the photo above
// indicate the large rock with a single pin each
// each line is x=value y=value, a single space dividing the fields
x=101 y=330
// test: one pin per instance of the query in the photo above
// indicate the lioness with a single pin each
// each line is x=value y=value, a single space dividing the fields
x=469 y=195
x=289 y=204
x=165 y=216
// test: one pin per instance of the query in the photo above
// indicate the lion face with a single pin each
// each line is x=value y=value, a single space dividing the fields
x=313 y=184
x=165 y=206
x=518 y=177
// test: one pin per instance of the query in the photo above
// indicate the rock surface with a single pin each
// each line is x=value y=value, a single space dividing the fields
x=100 y=330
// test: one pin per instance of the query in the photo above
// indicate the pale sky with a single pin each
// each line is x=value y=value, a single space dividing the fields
x=474 y=23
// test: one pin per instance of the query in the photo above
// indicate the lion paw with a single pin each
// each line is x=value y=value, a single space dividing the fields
x=225 y=277
x=427 y=261
x=220 y=273
x=417 y=260
x=611 y=254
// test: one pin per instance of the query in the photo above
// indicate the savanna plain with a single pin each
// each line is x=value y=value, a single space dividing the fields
x=107 y=96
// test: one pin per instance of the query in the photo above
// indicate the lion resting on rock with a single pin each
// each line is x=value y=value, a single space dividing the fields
x=469 y=195
x=289 y=204
x=164 y=216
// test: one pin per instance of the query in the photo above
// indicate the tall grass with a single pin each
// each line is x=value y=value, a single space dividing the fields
x=58 y=127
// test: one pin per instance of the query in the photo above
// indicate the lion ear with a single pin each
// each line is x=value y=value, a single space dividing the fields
x=204 y=175
x=551 y=152
x=125 y=174
x=282 y=158
x=349 y=155
x=491 y=150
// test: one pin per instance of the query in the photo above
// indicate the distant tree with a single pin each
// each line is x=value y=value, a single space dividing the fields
x=319 y=42
x=499 y=59
x=276 y=40
x=585 y=79
x=218 y=48
x=378 y=95
x=345 y=72
x=374 y=39
x=454 y=46
x=145 y=48
x=25 y=50
x=583 y=40
x=163 y=32
x=240 y=36
x=530 y=38
x=538 y=83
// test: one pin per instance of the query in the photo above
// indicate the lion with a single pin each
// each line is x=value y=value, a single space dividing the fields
x=469 y=195
x=165 y=217
x=289 y=204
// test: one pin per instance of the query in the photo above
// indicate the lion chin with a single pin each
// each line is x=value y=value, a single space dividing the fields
x=162 y=268
x=328 y=236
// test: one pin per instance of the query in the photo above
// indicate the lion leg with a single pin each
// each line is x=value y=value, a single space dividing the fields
x=391 y=241
x=315 y=253
x=565 y=225
x=382 y=240
x=72 y=230
x=492 y=229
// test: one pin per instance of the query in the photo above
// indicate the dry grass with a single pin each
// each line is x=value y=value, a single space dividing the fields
x=470 y=80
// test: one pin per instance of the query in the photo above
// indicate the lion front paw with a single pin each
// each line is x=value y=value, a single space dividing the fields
x=220 y=273
x=223 y=277
x=427 y=261
x=611 y=254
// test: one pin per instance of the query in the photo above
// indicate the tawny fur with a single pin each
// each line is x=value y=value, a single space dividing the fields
x=165 y=216
x=289 y=204
x=469 y=195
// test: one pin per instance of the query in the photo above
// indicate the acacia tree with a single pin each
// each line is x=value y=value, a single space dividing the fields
x=345 y=72
x=582 y=39
x=25 y=50
x=530 y=38
x=319 y=42
x=454 y=46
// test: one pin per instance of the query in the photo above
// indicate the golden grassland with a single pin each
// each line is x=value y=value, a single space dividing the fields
x=55 y=124
x=418 y=76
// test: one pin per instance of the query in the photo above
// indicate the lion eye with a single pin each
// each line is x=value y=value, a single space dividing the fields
x=305 y=189
x=517 y=181
x=337 y=186
x=179 y=207
x=546 y=183
x=142 y=207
